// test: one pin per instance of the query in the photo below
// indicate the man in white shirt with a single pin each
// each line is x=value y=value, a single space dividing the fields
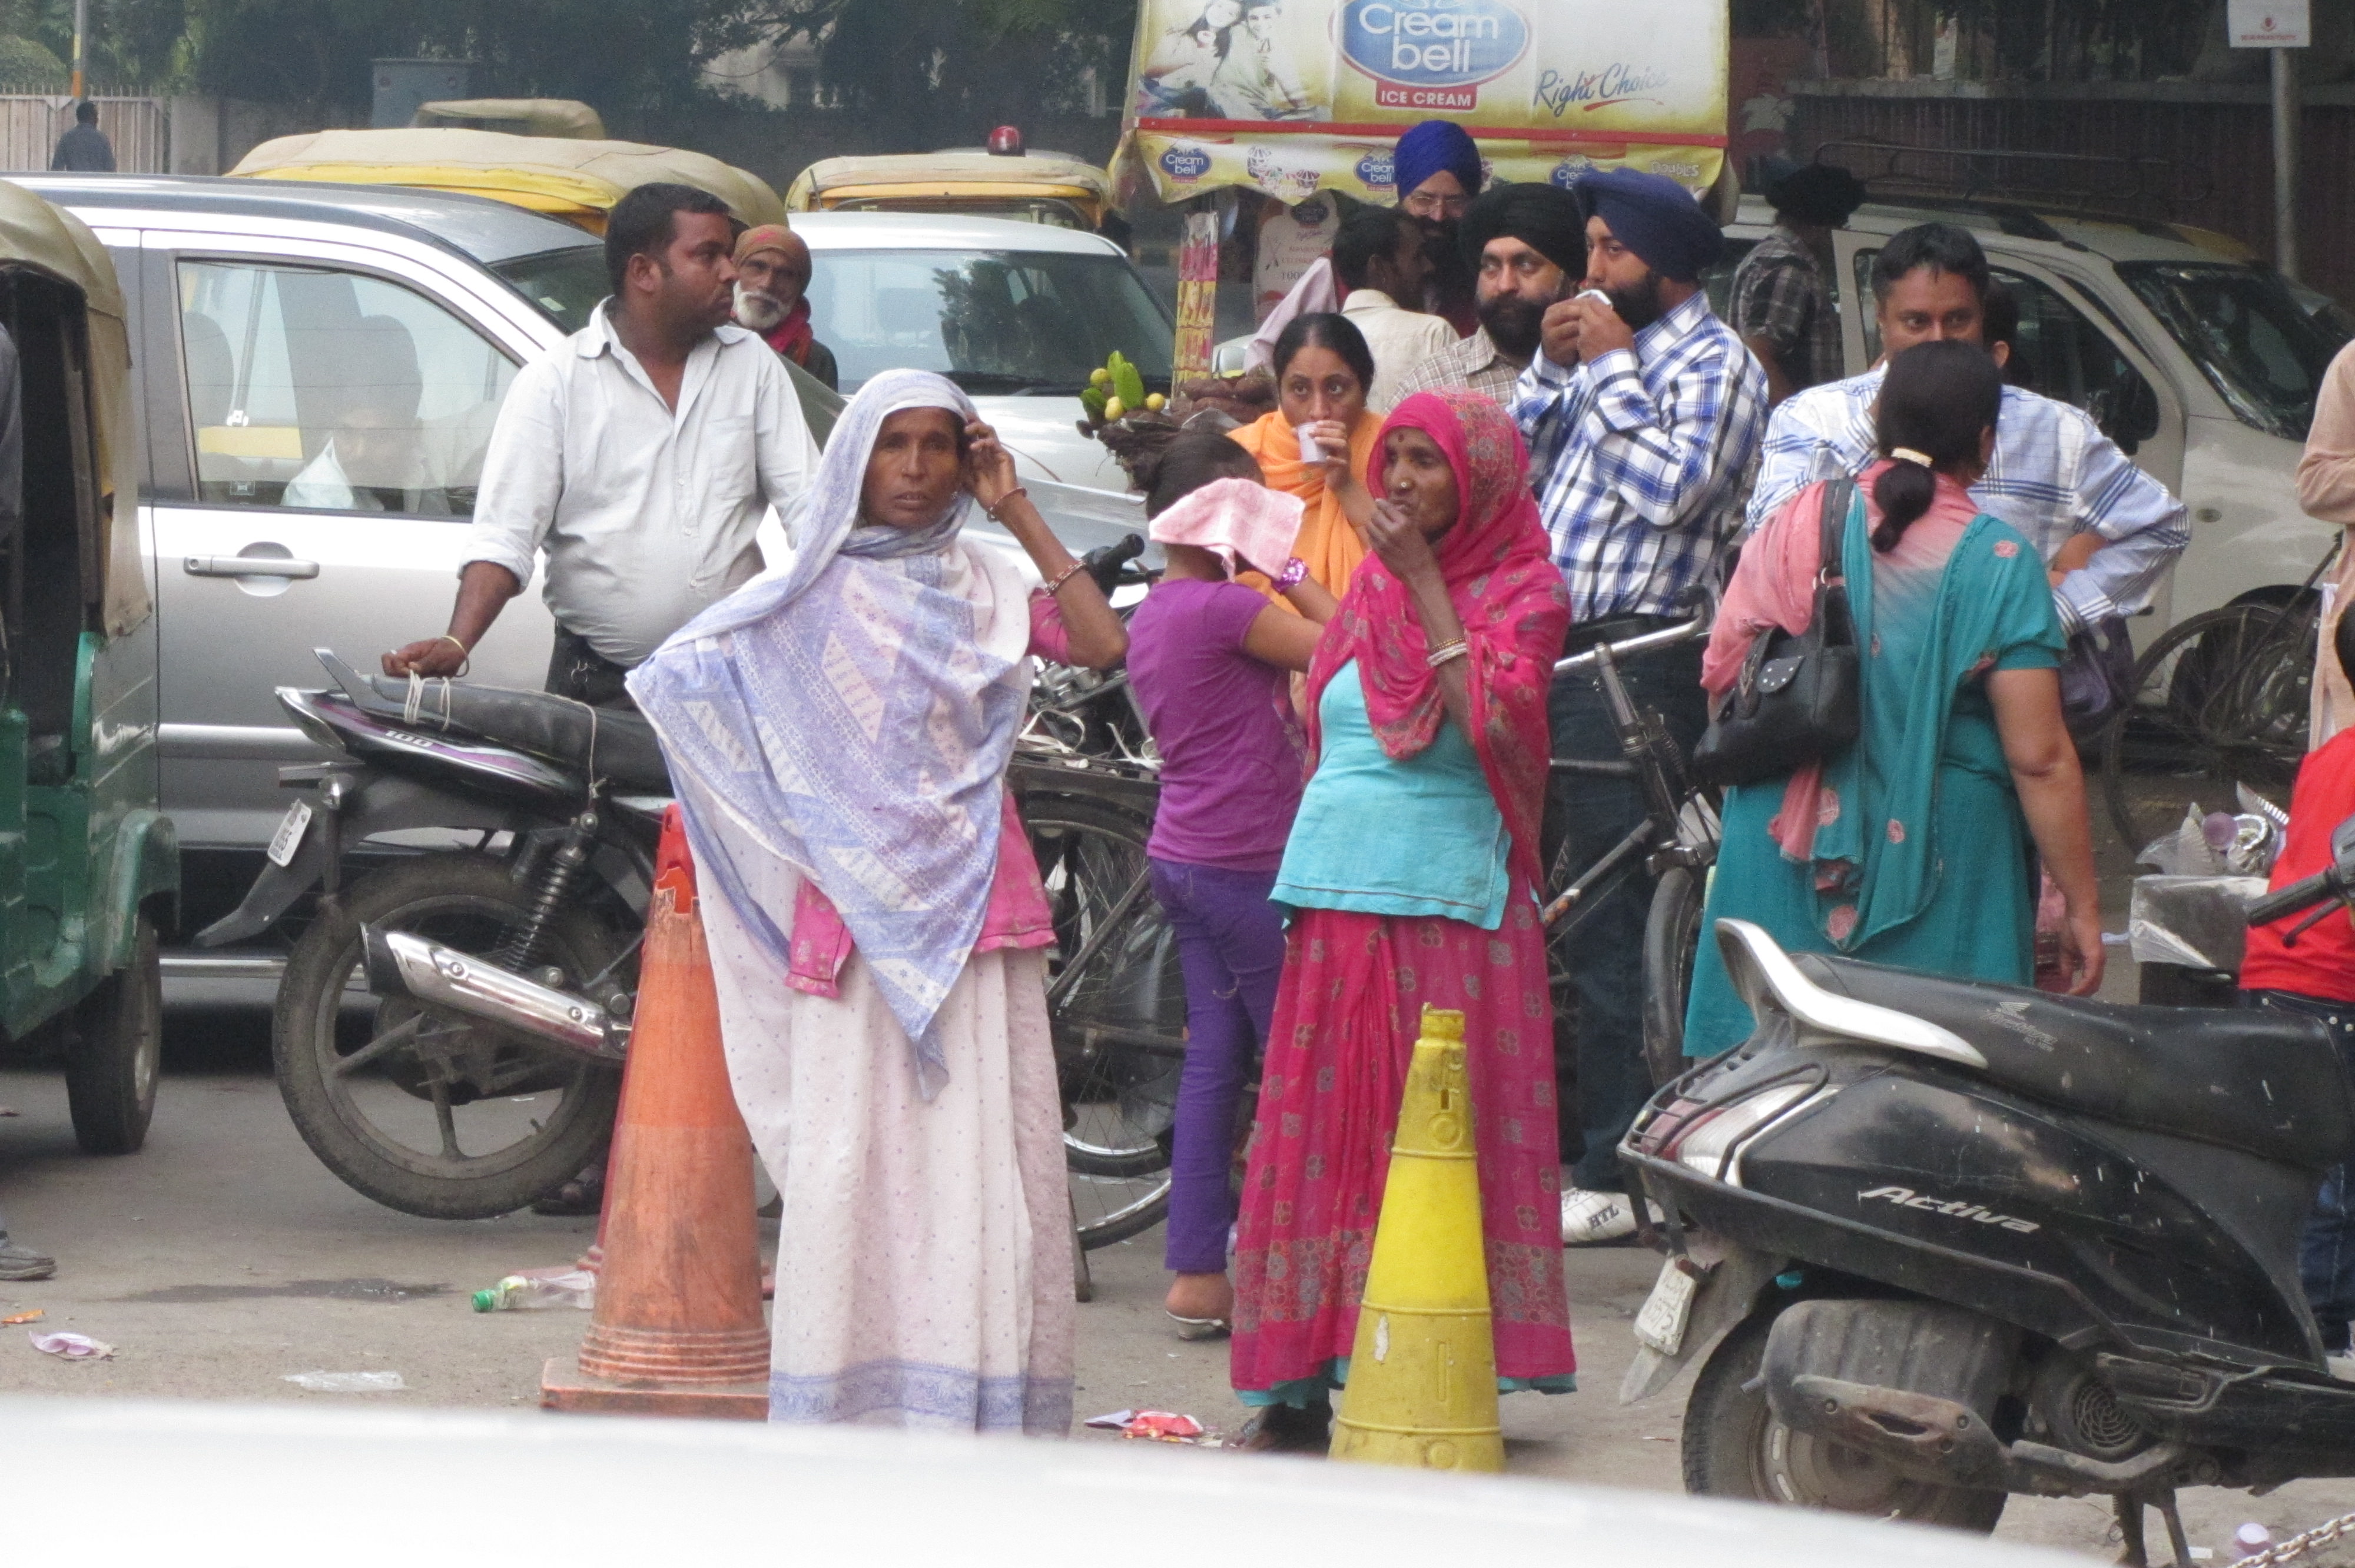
x=1378 y=259
x=639 y=453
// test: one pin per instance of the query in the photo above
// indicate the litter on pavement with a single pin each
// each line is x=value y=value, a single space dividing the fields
x=34 y=1315
x=1155 y=1425
x=349 y=1383
x=71 y=1346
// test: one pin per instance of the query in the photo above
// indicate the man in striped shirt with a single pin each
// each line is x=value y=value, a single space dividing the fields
x=2054 y=475
x=1642 y=414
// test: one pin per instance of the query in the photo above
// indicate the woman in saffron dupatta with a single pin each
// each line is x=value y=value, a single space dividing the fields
x=838 y=732
x=1323 y=368
x=1427 y=714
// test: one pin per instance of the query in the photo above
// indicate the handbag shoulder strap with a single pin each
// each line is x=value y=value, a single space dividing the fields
x=1831 y=521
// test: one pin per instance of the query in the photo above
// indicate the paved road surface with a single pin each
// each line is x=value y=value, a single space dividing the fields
x=224 y=1257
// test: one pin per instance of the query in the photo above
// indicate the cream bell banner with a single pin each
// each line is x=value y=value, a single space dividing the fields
x=1293 y=96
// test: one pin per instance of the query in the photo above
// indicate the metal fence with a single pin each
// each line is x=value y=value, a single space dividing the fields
x=2011 y=40
x=31 y=122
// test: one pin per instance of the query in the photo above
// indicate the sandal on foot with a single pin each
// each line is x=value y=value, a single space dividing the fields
x=1193 y=1329
x=1286 y=1429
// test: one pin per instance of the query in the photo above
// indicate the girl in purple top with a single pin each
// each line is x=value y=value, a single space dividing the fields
x=1211 y=664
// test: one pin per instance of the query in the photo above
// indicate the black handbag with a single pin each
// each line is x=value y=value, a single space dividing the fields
x=2096 y=677
x=1800 y=698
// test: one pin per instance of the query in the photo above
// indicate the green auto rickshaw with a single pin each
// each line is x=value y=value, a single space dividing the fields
x=88 y=867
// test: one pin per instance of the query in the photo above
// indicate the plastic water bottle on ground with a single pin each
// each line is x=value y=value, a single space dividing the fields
x=538 y=1289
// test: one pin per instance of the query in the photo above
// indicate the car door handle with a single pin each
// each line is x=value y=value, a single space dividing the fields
x=248 y=566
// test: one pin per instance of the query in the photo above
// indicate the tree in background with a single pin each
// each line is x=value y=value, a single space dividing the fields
x=929 y=73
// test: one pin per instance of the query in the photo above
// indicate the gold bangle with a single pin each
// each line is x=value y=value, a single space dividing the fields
x=463 y=650
x=1447 y=654
x=1066 y=575
x=992 y=511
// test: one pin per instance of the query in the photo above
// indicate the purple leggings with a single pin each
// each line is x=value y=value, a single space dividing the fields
x=1231 y=947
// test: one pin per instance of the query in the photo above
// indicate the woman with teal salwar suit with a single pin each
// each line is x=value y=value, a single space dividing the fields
x=1917 y=846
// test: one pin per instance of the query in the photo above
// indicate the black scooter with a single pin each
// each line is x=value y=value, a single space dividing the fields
x=1943 y=1241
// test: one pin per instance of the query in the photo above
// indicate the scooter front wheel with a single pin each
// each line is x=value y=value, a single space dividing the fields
x=1735 y=1448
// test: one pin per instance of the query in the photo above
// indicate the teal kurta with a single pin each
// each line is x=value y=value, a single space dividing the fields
x=1922 y=859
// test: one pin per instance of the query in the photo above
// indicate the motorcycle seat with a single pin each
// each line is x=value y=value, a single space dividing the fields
x=614 y=744
x=2264 y=1083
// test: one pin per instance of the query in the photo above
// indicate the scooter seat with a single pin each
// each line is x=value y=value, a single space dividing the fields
x=2264 y=1083
x=614 y=744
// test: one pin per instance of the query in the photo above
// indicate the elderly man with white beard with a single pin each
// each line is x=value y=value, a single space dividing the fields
x=773 y=277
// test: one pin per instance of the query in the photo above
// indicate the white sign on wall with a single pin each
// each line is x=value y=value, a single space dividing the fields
x=2268 y=24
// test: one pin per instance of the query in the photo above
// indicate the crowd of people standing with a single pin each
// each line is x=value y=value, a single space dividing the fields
x=1516 y=428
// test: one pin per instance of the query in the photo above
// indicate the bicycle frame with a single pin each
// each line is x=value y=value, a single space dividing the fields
x=1665 y=836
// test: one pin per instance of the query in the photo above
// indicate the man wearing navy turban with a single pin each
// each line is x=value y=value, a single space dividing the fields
x=1436 y=170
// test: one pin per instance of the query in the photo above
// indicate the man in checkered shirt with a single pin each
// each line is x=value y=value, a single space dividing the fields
x=1782 y=305
x=1643 y=415
x=2107 y=530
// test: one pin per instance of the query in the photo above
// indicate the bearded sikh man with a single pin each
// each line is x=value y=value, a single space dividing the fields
x=1527 y=247
x=1642 y=414
x=772 y=278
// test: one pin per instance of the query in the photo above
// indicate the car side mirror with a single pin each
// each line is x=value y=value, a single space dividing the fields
x=2342 y=846
x=2127 y=411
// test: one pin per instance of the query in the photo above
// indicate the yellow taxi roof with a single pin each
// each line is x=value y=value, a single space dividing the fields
x=574 y=179
x=520 y=116
x=1032 y=174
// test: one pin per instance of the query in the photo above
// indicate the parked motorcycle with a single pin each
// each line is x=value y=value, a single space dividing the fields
x=450 y=1022
x=1934 y=1242
x=449 y=1029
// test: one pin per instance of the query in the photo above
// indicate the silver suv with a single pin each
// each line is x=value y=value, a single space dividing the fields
x=320 y=367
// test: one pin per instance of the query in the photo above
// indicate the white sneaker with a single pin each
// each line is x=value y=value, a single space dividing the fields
x=1591 y=1217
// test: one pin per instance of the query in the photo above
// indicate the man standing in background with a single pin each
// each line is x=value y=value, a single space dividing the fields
x=84 y=150
x=1783 y=296
x=1437 y=172
x=1526 y=245
x=1378 y=260
x=772 y=280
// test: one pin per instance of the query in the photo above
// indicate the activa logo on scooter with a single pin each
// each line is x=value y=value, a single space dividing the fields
x=1907 y=1198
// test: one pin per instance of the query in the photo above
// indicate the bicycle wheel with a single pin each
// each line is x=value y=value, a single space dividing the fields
x=2220 y=700
x=1671 y=938
x=1116 y=1001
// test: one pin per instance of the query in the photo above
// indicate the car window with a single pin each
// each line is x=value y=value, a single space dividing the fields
x=2060 y=352
x=2261 y=346
x=563 y=285
x=333 y=391
x=996 y=323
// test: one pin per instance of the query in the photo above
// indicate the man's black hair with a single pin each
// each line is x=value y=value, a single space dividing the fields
x=1366 y=234
x=86 y=112
x=1940 y=247
x=642 y=224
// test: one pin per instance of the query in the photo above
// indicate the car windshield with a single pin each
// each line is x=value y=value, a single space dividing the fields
x=999 y=323
x=565 y=284
x=2265 y=352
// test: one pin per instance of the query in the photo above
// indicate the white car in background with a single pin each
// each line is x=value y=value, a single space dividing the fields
x=1016 y=313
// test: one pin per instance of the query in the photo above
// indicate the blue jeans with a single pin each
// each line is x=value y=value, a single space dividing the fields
x=2326 y=1253
x=1230 y=948
x=1589 y=816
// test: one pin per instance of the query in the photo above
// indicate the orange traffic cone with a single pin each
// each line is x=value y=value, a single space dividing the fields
x=678 y=1328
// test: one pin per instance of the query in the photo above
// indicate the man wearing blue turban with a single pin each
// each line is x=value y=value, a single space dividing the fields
x=1436 y=171
x=1642 y=411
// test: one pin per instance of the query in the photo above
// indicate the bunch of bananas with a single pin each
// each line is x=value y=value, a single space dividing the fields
x=1115 y=389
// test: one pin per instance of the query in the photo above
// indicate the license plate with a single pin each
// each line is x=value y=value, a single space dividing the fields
x=1661 y=1323
x=289 y=836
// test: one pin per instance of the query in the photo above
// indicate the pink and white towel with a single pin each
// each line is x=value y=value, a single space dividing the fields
x=1235 y=517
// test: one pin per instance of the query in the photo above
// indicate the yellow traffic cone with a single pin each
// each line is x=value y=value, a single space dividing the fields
x=1423 y=1374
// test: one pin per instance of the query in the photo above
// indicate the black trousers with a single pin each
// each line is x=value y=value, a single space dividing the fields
x=576 y=670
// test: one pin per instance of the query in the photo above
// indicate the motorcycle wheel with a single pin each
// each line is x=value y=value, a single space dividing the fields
x=1734 y=1447
x=112 y=1072
x=378 y=1104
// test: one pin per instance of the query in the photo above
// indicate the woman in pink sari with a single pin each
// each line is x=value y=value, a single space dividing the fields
x=1411 y=869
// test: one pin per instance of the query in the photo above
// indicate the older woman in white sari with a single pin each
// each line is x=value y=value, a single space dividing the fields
x=838 y=731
